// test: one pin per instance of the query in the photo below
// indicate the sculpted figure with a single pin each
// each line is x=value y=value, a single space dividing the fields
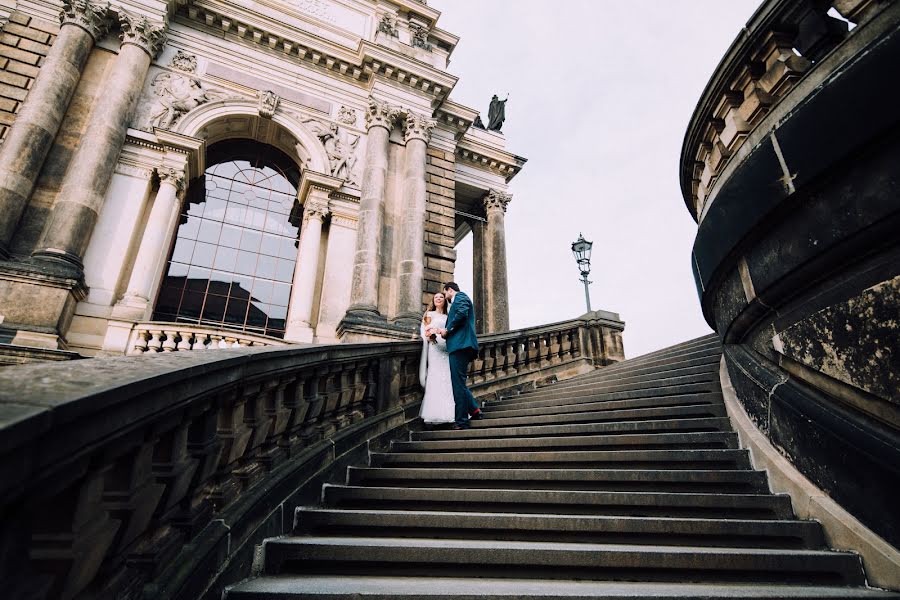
x=340 y=147
x=177 y=94
x=497 y=113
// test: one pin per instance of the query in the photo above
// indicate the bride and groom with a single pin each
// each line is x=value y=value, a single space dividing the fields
x=448 y=346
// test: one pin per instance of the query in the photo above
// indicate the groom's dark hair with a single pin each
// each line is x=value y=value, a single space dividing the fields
x=451 y=285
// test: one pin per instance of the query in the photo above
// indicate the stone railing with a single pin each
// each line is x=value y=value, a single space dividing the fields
x=156 y=336
x=779 y=44
x=129 y=477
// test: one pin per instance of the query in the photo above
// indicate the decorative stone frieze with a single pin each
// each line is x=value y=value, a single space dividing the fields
x=496 y=200
x=176 y=95
x=139 y=31
x=419 y=37
x=417 y=127
x=268 y=102
x=347 y=116
x=381 y=114
x=340 y=147
x=184 y=62
x=388 y=25
x=344 y=221
x=93 y=17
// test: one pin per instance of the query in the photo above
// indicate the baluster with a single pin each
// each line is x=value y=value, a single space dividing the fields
x=200 y=340
x=184 y=341
x=168 y=344
x=230 y=342
x=154 y=344
x=215 y=341
x=315 y=399
x=370 y=396
x=140 y=342
x=244 y=343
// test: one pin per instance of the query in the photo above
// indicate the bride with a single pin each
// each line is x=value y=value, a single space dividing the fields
x=434 y=368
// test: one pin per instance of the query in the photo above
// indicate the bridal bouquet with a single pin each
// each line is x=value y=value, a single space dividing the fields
x=430 y=332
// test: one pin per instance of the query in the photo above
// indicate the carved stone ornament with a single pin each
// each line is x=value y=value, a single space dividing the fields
x=417 y=127
x=172 y=176
x=419 y=37
x=147 y=35
x=315 y=209
x=184 y=62
x=340 y=147
x=496 y=200
x=381 y=114
x=176 y=95
x=347 y=116
x=268 y=102
x=388 y=25
x=93 y=17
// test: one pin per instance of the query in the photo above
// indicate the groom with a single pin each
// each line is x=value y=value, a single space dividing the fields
x=463 y=348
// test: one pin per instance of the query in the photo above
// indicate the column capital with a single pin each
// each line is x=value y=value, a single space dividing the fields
x=381 y=114
x=93 y=17
x=147 y=35
x=496 y=200
x=171 y=176
x=417 y=127
x=315 y=208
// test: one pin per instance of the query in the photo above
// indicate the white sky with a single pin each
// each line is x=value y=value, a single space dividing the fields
x=601 y=92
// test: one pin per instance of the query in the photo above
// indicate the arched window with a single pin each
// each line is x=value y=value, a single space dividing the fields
x=232 y=263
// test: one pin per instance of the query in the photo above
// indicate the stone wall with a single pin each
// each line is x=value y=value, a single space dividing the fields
x=24 y=44
x=440 y=255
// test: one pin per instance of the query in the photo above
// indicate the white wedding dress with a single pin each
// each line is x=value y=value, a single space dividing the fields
x=434 y=375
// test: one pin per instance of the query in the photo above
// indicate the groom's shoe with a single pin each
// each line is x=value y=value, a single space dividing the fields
x=461 y=427
x=478 y=414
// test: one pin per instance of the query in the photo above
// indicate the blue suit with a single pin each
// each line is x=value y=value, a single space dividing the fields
x=462 y=344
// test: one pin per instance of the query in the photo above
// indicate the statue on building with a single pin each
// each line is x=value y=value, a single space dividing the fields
x=497 y=113
x=176 y=95
x=478 y=123
x=340 y=147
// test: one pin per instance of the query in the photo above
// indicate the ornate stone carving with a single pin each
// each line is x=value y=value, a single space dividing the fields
x=138 y=30
x=344 y=221
x=347 y=116
x=177 y=95
x=340 y=147
x=417 y=127
x=184 y=62
x=133 y=170
x=172 y=176
x=419 y=37
x=388 y=25
x=381 y=114
x=496 y=200
x=93 y=17
x=268 y=102
x=315 y=209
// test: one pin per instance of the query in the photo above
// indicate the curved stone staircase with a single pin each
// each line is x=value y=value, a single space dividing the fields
x=627 y=482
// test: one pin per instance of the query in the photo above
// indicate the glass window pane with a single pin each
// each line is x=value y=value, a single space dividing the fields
x=183 y=251
x=237 y=311
x=209 y=231
x=281 y=294
x=235 y=213
x=286 y=248
x=257 y=314
x=198 y=277
x=250 y=240
x=225 y=258
x=214 y=309
x=270 y=244
x=246 y=263
x=262 y=290
x=275 y=222
x=196 y=210
x=178 y=270
x=265 y=267
x=231 y=236
x=191 y=304
x=241 y=286
x=256 y=218
x=215 y=209
x=284 y=270
x=169 y=298
x=190 y=228
x=203 y=254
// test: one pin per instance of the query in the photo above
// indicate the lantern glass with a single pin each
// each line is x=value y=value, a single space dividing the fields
x=581 y=248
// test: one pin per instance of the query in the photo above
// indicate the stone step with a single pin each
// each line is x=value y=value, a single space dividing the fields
x=572 y=459
x=522 y=559
x=559 y=528
x=699 y=353
x=597 y=416
x=695 y=388
x=660 y=480
x=598 y=377
x=645 y=441
x=634 y=426
x=546 y=407
x=380 y=587
x=653 y=380
x=651 y=504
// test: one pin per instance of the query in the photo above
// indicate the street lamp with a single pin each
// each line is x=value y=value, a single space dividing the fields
x=581 y=248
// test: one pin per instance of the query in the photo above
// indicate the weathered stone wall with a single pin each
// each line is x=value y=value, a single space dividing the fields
x=24 y=43
x=440 y=255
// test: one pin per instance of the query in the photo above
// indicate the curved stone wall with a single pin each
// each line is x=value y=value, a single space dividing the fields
x=791 y=165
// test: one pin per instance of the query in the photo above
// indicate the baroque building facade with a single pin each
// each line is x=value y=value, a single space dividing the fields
x=188 y=175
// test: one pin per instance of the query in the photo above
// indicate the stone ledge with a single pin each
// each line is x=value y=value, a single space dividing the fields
x=842 y=530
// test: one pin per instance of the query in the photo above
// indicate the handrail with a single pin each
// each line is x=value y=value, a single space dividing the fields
x=127 y=451
x=772 y=53
x=160 y=336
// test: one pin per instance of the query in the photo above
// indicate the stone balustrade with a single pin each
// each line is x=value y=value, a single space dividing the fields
x=128 y=477
x=181 y=337
x=773 y=52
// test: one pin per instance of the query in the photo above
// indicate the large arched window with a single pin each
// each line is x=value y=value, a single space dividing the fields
x=233 y=259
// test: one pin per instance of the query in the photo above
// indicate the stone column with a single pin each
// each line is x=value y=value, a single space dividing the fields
x=478 y=278
x=380 y=118
x=497 y=302
x=417 y=133
x=71 y=222
x=153 y=248
x=29 y=139
x=336 y=279
x=303 y=291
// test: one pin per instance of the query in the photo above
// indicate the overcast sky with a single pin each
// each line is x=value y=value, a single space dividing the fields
x=601 y=92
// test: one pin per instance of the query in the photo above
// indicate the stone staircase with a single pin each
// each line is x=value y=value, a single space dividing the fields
x=627 y=482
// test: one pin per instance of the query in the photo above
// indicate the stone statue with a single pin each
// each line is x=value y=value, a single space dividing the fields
x=340 y=147
x=478 y=122
x=177 y=95
x=497 y=113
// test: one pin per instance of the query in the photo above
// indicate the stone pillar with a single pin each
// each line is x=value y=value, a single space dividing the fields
x=497 y=301
x=29 y=140
x=154 y=249
x=336 y=279
x=380 y=118
x=68 y=229
x=478 y=279
x=303 y=291
x=417 y=133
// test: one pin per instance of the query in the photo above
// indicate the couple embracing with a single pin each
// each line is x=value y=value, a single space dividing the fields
x=448 y=346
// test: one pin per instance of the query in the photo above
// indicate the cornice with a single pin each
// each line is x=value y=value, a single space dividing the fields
x=368 y=61
x=483 y=157
x=456 y=116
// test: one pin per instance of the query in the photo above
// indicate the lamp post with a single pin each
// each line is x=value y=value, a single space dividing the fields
x=581 y=248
